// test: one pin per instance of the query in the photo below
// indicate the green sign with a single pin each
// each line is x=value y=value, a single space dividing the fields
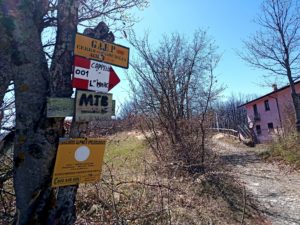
x=60 y=107
x=113 y=107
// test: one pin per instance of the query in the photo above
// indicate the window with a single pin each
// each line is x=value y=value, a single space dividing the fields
x=267 y=106
x=255 y=109
x=258 y=129
x=256 y=115
x=270 y=127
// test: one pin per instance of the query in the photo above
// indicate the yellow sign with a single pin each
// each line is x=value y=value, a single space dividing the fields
x=78 y=160
x=102 y=51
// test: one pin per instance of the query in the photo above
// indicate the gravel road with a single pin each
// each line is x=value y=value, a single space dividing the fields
x=275 y=187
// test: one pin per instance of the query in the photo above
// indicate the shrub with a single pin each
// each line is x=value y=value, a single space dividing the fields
x=286 y=149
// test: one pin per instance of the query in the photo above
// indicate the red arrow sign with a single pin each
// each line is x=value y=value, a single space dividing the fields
x=93 y=75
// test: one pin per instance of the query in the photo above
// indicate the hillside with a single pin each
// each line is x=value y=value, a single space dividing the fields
x=135 y=189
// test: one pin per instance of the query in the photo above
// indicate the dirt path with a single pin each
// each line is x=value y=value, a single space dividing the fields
x=276 y=189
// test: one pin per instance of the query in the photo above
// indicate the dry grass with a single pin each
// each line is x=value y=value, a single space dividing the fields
x=135 y=189
x=285 y=149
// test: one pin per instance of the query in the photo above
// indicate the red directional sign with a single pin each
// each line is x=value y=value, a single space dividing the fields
x=93 y=75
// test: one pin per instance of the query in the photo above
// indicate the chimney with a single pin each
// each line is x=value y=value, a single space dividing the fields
x=274 y=86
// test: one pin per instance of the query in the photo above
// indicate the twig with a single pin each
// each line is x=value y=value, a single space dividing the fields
x=6 y=176
x=6 y=192
x=114 y=205
x=159 y=185
x=244 y=207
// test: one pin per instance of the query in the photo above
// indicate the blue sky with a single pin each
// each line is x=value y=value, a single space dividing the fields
x=227 y=21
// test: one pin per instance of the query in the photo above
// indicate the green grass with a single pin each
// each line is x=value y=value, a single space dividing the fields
x=286 y=149
x=124 y=150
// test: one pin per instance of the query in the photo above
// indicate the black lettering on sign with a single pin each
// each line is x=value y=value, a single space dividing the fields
x=100 y=66
x=104 y=101
x=82 y=72
x=100 y=84
x=94 y=55
x=93 y=100
x=94 y=44
x=112 y=48
x=102 y=46
x=58 y=180
x=87 y=100
x=97 y=99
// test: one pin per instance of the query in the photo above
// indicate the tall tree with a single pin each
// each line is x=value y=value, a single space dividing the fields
x=25 y=62
x=275 y=48
x=6 y=67
x=172 y=86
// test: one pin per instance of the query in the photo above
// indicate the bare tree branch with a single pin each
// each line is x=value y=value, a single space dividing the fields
x=275 y=48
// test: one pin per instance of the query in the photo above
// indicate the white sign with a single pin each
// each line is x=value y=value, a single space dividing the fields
x=93 y=75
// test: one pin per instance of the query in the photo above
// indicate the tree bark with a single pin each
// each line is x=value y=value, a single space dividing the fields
x=296 y=102
x=34 y=148
x=295 y=97
x=62 y=60
x=36 y=136
x=6 y=73
x=5 y=78
x=64 y=211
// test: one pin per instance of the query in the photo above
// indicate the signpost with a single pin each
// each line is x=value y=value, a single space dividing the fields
x=93 y=75
x=78 y=160
x=101 y=51
x=92 y=106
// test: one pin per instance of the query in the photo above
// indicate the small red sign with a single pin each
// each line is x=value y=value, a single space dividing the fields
x=93 y=75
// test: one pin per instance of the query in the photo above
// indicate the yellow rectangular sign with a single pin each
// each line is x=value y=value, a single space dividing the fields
x=78 y=160
x=102 y=51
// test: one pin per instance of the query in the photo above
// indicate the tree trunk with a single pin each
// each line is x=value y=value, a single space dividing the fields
x=62 y=60
x=5 y=78
x=35 y=147
x=36 y=136
x=6 y=73
x=296 y=102
x=64 y=211
x=295 y=97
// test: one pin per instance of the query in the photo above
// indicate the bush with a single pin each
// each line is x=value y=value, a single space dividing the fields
x=183 y=147
x=286 y=149
x=135 y=190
